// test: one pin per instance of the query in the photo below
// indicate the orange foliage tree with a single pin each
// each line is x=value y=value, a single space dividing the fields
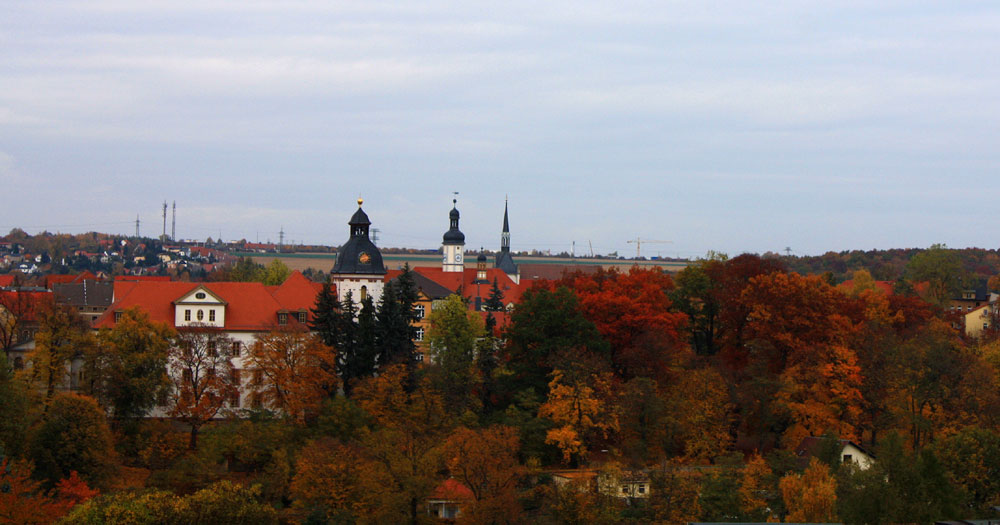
x=297 y=371
x=632 y=311
x=810 y=497
x=701 y=407
x=203 y=377
x=23 y=502
x=582 y=408
x=753 y=488
x=485 y=461
x=334 y=476
x=406 y=440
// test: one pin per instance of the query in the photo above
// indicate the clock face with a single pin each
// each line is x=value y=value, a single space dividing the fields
x=444 y=258
x=458 y=257
x=364 y=258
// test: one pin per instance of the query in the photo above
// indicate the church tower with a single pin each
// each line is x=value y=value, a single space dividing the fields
x=505 y=261
x=359 y=267
x=453 y=245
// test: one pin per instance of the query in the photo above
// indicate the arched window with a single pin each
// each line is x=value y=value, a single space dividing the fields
x=364 y=293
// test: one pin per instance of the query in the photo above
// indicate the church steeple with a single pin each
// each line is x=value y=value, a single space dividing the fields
x=453 y=244
x=504 y=260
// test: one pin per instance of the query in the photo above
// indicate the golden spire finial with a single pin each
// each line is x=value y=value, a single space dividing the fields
x=360 y=202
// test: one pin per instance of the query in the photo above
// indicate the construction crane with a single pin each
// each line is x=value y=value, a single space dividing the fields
x=639 y=242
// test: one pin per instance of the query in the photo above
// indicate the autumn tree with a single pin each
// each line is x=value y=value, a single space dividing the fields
x=673 y=495
x=632 y=312
x=582 y=409
x=15 y=411
x=275 y=273
x=73 y=436
x=972 y=458
x=703 y=413
x=246 y=270
x=127 y=369
x=409 y=427
x=296 y=369
x=453 y=334
x=810 y=497
x=18 y=310
x=941 y=268
x=336 y=479
x=753 y=489
x=23 y=501
x=547 y=329
x=63 y=334
x=202 y=377
x=485 y=461
x=646 y=425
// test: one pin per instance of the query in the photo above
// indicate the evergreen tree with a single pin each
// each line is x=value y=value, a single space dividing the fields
x=326 y=317
x=356 y=342
x=394 y=333
x=494 y=303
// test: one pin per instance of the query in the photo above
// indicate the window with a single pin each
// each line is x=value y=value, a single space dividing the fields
x=255 y=401
x=187 y=314
x=186 y=375
x=282 y=318
x=118 y=316
x=642 y=489
x=624 y=489
x=419 y=357
x=211 y=349
x=18 y=363
x=236 y=348
x=364 y=293
x=848 y=458
x=201 y=315
x=302 y=317
x=199 y=295
x=420 y=334
x=420 y=311
x=236 y=377
x=234 y=400
x=258 y=377
x=211 y=315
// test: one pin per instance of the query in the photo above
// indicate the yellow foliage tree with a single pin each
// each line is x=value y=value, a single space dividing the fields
x=296 y=369
x=753 y=484
x=810 y=497
x=580 y=408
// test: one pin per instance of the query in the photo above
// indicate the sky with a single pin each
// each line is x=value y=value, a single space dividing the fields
x=727 y=126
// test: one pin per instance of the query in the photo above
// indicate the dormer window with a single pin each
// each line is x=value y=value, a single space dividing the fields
x=282 y=318
x=302 y=317
x=118 y=316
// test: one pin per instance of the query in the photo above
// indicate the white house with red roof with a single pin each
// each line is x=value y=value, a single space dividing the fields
x=240 y=309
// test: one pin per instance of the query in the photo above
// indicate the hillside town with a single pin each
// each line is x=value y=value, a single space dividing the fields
x=151 y=376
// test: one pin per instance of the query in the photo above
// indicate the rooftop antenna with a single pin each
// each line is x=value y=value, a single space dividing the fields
x=173 y=224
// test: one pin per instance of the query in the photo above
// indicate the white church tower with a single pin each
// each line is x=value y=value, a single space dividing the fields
x=453 y=245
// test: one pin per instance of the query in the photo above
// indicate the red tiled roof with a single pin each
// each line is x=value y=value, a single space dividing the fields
x=249 y=306
x=451 y=490
x=6 y=280
x=23 y=304
x=466 y=282
x=161 y=278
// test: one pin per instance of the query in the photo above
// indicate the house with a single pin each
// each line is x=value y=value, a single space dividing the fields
x=240 y=310
x=979 y=319
x=446 y=500
x=20 y=310
x=847 y=451
x=972 y=298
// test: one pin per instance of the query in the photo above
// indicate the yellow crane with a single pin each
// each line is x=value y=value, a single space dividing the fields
x=639 y=242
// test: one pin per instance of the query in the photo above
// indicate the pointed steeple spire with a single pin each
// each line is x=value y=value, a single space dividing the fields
x=505 y=233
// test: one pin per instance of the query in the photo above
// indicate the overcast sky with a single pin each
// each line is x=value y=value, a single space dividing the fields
x=727 y=126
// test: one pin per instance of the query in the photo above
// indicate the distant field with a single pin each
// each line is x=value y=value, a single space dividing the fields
x=324 y=261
